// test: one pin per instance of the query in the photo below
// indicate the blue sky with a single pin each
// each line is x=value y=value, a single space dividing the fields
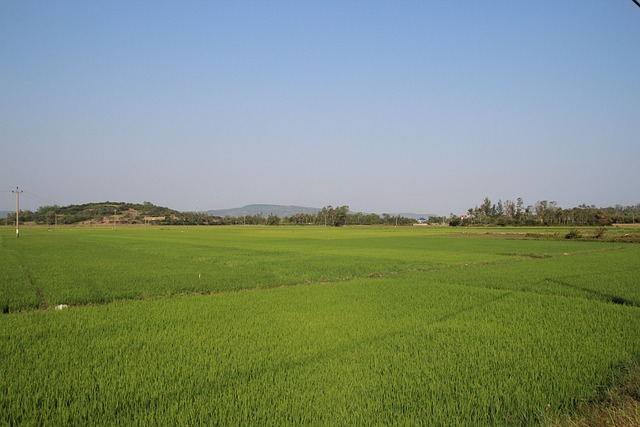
x=408 y=106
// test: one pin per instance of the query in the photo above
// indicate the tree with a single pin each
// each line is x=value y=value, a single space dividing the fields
x=335 y=217
x=327 y=213
x=302 y=219
x=510 y=209
x=541 y=207
x=519 y=208
x=340 y=215
x=485 y=207
x=273 y=219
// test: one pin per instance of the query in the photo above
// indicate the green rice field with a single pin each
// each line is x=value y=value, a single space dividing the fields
x=274 y=326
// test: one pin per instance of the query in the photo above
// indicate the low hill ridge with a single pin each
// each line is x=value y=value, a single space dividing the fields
x=265 y=210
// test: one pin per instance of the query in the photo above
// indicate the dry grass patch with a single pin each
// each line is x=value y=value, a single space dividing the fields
x=619 y=405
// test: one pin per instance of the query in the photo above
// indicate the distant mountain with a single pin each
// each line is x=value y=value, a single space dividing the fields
x=265 y=210
x=417 y=216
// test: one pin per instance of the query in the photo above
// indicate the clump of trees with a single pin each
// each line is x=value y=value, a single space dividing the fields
x=544 y=212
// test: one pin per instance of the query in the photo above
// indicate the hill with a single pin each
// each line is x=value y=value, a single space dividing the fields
x=265 y=210
x=99 y=213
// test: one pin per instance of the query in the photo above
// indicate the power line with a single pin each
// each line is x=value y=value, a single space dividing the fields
x=31 y=195
x=39 y=198
x=636 y=2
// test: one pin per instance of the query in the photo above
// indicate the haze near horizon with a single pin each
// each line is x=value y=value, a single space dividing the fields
x=410 y=106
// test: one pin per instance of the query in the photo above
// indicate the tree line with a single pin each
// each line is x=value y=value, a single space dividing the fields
x=544 y=212
x=509 y=212
x=328 y=216
x=118 y=213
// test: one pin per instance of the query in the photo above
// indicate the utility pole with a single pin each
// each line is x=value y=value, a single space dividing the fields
x=17 y=193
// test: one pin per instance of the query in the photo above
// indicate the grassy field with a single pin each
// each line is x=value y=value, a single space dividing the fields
x=314 y=326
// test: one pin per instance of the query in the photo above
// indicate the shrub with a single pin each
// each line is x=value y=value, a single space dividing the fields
x=599 y=233
x=574 y=233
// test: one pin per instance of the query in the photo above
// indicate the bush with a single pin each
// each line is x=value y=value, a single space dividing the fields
x=574 y=233
x=599 y=233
